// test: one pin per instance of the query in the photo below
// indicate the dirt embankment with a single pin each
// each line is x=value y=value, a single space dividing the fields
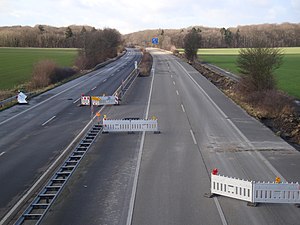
x=284 y=123
x=146 y=64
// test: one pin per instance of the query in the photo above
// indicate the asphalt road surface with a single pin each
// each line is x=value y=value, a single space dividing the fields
x=201 y=129
x=32 y=136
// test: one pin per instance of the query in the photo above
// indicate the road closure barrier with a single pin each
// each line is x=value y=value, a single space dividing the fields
x=85 y=100
x=255 y=192
x=100 y=100
x=127 y=125
x=104 y=100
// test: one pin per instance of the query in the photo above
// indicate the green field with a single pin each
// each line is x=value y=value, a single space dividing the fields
x=287 y=76
x=16 y=64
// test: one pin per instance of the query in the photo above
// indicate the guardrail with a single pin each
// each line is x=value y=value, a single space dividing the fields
x=35 y=212
x=255 y=192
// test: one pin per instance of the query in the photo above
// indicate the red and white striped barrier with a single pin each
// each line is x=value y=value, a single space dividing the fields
x=85 y=100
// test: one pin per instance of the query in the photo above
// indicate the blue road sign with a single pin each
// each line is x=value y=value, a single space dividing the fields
x=155 y=41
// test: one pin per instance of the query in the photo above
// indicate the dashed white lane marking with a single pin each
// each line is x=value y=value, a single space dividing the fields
x=174 y=82
x=2 y=153
x=76 y=100
x=48 y=120
x=93 y=88
x=182 y=107
x=137 y=170
x=177 y=92
x=193 y=136
x=171 y=76
x=104 y=80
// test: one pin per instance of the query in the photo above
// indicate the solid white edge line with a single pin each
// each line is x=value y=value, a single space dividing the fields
x=182 y=107
x=267 y=163
x=76 y=100
x=2 y=153
x=193 y=136
x=222 y=216
x=11 y=211
x=177 y=92
x=137 y=170
x=48 y=120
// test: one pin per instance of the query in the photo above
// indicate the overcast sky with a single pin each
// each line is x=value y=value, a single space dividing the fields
x=135 y=15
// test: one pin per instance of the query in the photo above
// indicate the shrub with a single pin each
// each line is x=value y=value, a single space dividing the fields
x=42 y=72
x=257 y=66
x=60 y=74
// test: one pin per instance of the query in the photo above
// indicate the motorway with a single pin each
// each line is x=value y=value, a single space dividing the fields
x=201 y=129
x=32 y=136
x=145 y=179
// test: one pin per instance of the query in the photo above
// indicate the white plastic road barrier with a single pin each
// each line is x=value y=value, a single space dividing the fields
x=85 y=100
x=232 y=187
x=129 y=125
x=277 y=193
x=22 y=98
x=104 y=100
x=255 y=192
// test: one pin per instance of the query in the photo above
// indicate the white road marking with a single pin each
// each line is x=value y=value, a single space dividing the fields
x=171 y=76
x=13 y=209
x=76 y=100
x=33 y=107
x=2 y=153
x=193 y=136
x=112 y=75
x=137 y=170
x=182 y=107
x=266 y=162
x=93 y=88
x=177 y=92
x=104 y=80
x=223 y=219
x=48 y=120
x=174 y=82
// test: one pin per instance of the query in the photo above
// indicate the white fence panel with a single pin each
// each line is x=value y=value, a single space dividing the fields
x=276 y=193
x=129 y=125
x=232 y=187
x=104 y=100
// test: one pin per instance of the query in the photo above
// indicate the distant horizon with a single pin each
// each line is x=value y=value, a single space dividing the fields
x=204 y=26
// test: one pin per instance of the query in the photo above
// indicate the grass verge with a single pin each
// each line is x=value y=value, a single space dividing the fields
x=16 y=64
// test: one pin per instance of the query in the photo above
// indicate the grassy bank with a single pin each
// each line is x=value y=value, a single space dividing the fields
x=16 y=64
x=287 y=76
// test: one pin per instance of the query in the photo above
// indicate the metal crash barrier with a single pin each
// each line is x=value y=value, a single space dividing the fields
x=130 y=125
x=255 y=192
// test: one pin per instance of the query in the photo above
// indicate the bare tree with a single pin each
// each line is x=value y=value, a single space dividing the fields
x=258 y=66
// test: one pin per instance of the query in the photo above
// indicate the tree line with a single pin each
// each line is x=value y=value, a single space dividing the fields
x=273 y=35
x=43 y=36
x=95 y=45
